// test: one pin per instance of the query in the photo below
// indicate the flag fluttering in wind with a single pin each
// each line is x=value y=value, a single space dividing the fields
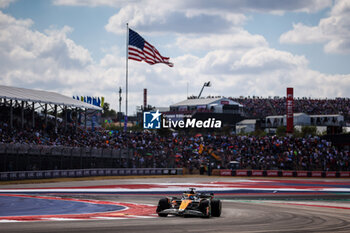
x=140 y=50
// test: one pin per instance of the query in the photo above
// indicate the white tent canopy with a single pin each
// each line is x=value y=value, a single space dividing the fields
x=45 y=97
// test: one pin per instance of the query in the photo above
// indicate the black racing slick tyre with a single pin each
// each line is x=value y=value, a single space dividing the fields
x=163 y=204
x=204 y=207
x=216 y=208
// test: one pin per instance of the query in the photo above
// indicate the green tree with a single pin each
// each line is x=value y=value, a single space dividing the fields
x=308 y=131
x=281 y=131
x=108 y=112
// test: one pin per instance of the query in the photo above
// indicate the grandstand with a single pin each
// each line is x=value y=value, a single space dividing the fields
x=31 y=141
x=258 y=107
x=27 y=103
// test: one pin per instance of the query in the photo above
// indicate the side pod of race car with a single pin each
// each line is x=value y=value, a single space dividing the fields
x=190 y=204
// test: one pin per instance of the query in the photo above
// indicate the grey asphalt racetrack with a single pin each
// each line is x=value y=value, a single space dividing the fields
x=240 y=214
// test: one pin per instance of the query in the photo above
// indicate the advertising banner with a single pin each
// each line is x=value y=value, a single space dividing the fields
x=4 y=176
x=330 y=174
x=145 y=98
x=21 y=175
x=316 y=174
x=93 y=173
x=241 y=173
x=302 y=173
x=287 y=173
x=165 y=171
x=39 y=175
x=48 y=174
x=257 y=173
x=56 y=174
x=272 y=173
x=79 y=173
x=134 y=172
x=225 y=172
x=13 y=175
x=344 y=174
x=71 y=173
x=289 y=110
x=108 y=172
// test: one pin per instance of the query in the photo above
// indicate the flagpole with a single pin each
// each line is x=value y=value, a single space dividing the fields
x=126 y=78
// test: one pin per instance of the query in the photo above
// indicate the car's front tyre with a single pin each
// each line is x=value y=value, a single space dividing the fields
x=163 y=204
x=216 y=207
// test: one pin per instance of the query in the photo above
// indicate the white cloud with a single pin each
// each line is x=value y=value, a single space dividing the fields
x=43 y=60
x=163 y=18
x=271 y=6
x=334 y=31
x=264 y=60
x=5 y=3
x=92 y=3
x=302 y=34
x=235 y=61
x=237 y=40
x=196 y=17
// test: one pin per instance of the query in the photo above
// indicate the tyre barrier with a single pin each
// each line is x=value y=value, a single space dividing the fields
x=279 y=173
x=23 y=175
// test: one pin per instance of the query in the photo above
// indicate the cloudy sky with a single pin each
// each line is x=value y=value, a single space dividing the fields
x=244 y=47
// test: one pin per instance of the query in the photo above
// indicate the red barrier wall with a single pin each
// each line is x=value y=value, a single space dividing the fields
x=301 y=173
x=272 y=173
x=257 y=173
x=241 y=173
x=277 y=173
x=344 y=174
x=330 y=174
x=225 y=172
x=287 y=173
x=316 y=174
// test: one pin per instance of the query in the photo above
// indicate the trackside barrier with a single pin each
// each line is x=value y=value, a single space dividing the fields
x=301 y=173
x=287 y=173
x=257 y=173
x=272 y=173
x=56 y=151
x=278 y=173
x=225 y=172
x=344 y=174
x=22 y=175
x=316 y=174
x=331 y=174
x=241 y=173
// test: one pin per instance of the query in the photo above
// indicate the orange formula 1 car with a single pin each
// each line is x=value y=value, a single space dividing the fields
x=191 y=204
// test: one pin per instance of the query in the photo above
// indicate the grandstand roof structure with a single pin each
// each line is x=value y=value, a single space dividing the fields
x=201 y=101
x=46 y=97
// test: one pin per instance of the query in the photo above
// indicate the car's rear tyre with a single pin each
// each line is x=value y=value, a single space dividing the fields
x=163 y=204
x=204 y=207
x=216 y=208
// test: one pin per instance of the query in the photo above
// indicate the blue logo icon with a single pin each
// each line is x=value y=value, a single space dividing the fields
x=151 y=120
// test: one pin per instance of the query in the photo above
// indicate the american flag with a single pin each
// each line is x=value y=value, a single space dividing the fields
x=141 y=50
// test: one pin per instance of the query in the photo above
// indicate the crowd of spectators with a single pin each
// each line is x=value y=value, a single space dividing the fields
x=259 y=107
x=176 y=150
x=153 y=150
